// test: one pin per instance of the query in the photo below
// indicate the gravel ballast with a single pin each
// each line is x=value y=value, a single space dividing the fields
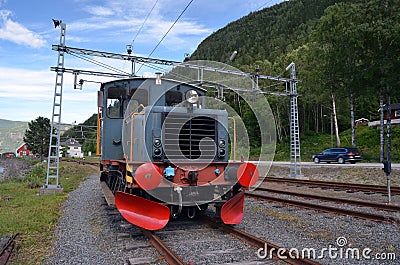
x=90 y=232
x=81 y=234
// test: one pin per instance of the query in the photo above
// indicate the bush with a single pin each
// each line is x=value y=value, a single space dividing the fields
x=37 y=177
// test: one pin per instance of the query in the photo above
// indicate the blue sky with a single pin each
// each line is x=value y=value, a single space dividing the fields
x=27 y=33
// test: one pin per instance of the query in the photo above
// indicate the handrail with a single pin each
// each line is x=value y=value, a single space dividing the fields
x=99 y=120
x=132 y=116
x=136 y=110
x=234 y=137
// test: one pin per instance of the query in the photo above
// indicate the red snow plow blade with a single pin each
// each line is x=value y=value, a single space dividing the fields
x=141 y=212
x=232 y=210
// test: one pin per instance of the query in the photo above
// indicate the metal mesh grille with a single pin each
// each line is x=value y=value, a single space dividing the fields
x=189 y=137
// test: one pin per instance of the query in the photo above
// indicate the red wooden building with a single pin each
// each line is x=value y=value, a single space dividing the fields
x=8 y=155
x=23 y=150
x=395 y=111
x=394 y=115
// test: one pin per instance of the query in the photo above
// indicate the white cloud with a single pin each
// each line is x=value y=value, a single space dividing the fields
x=99 y=10
x=126 y=20
x=96 y=23
x=38 y=85
x=17 y=33
x=26 y=94
x=26 y=83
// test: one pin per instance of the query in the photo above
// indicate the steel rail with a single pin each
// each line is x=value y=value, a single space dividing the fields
x=258 y=242
x=327 y=209
x=335 y=185
x=7 y=250
x=380 y=206
x=169 y=256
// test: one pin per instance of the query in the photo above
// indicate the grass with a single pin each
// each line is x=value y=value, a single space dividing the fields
x=34 y=217
x=279 y=215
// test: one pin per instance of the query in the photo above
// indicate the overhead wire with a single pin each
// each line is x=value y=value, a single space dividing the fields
x=165 y=35
x=262 y=6
x=158 y=44
x=144 y=22
x=158 y=68
x=176 y=20
x=133 y=40
x=99 y=63
x=141 y=27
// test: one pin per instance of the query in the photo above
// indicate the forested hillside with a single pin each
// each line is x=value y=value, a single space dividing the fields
x=347 y=50
x=264 y=35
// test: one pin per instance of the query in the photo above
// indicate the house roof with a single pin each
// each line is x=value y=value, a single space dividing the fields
x=72 y=142
x=362 y=120
x=395 y=106
x=21 y=145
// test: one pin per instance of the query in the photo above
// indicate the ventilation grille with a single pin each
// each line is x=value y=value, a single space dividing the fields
x=189 y=137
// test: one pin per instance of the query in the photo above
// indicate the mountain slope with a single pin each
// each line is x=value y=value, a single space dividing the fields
x=265 y=34
x=11 y=134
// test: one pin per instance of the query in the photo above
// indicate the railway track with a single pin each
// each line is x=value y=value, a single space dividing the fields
x=258 y=242
x=335 y=185
x=158 y=240
x=166 y=253
x=379 y=206
x=7 y=249
x=328 y=209
x=169 y=256
x=82 y=162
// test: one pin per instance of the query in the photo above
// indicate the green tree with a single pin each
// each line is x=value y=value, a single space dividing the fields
x=360 y=43
x=37 y=136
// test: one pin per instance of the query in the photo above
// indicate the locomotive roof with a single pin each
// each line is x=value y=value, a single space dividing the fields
x=145 y=78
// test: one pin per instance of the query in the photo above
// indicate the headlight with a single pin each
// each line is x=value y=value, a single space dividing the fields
x=192 y=96
x=221 y=143
x=157 y=142
x=221 y=152
x=157 y=152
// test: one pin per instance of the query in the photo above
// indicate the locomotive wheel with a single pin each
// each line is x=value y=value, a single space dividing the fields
x=104 y=176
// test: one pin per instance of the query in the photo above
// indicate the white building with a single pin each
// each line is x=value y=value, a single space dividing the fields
x=74 y=148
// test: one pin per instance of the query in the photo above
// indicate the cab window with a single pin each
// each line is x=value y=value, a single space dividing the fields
x=138 y=97
x=173 y=98
x=115 y=102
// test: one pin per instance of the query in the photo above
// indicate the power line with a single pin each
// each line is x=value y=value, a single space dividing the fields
x=158 y=44
x=144 y=22
x=264 y=5
x=184 y=10
x=107 y=66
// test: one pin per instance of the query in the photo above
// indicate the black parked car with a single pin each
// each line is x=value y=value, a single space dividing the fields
x=340 y=155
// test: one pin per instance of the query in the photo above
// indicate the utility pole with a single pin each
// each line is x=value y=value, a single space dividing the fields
x=53 y=160
x=387 y=165
x=295 y=161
